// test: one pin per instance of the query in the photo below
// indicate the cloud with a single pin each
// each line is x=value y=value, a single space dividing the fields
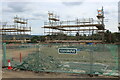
x=41 y=15
x=16 y=7
x=73 y=3
x=102 y=0
x=31 y=1
x=37 y=12
x=106 y=12
x=111 y=9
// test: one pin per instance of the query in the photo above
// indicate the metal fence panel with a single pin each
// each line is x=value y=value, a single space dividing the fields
x=69 y=58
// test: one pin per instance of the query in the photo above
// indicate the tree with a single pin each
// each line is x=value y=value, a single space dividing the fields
x=112 y=37
x=34 y=39
x=108 y=36
x=43 y=38
x=77 y=34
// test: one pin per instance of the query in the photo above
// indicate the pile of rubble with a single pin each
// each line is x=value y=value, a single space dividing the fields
x=39 y=62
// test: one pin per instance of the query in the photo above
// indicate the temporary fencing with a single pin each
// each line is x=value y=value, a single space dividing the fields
x=101 y=59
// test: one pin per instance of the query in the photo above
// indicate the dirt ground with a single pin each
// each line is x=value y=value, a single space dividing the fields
x=15 y=54
x=28 y=74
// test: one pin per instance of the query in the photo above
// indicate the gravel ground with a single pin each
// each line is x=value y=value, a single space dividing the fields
x=28 y=74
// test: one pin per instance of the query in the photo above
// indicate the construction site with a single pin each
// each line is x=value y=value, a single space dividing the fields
x=80 y=52
x=17 y=32
x=86 y=27
x=89 y=29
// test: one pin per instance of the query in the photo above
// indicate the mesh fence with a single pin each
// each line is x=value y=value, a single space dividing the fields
x=17 y=52
x=69 y=58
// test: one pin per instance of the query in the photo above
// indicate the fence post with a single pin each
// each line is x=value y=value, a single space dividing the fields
x=91 y=62
x=118 y=59
x=20 y=57
x=4 y=54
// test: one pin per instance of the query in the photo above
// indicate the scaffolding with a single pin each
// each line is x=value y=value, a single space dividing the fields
x=19 y=28
x=84 y=26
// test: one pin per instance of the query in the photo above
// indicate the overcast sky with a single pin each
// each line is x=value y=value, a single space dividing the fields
x=66 y=9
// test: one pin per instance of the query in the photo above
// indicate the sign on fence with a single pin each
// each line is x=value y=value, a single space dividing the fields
x=67 y=51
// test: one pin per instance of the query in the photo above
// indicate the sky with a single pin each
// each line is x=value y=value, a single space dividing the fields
x=36 y=11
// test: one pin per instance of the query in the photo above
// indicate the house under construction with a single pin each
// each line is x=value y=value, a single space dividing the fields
x=88 y=27
x=16 y=32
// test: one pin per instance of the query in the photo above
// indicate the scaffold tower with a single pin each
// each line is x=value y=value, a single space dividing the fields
x=82 y=26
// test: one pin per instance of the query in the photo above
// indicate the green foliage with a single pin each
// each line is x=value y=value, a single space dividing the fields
x=112 y=37
x=117 y=37
x=77 y=34
x=42 y=38
x=58 y=36
x=108 y=37
x=35 y=39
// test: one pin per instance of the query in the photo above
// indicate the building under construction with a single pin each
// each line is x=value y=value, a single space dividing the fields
x=87 y=27
x=16 y=32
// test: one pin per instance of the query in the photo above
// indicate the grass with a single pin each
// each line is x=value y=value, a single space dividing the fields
x=15 y=53
x=101 y=53
x=98 y=56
